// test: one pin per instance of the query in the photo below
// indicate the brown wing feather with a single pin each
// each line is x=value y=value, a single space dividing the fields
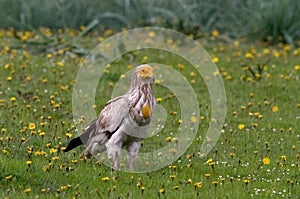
x=110 y=119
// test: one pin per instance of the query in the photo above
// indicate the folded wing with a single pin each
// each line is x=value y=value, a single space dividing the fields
x=109 y=121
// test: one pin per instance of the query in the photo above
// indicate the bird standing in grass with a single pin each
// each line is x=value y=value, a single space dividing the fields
x=123 y=122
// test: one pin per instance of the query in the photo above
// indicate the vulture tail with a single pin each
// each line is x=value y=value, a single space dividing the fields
x=73 y=144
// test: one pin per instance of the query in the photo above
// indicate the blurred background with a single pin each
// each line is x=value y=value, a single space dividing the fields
x=272 y=20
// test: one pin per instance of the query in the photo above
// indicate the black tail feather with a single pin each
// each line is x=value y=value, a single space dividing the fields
x=73 y=144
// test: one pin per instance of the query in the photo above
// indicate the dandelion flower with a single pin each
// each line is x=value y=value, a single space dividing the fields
x=198 y=184
x=283 y=157
x=232 y=155
x=42 y=133
x=266 y=51
x=241 y=126
x=249 y=56
x=246 y=181
x=215 y=59
x=193 y=119
x=105 y=178
x=215 y=183
x=215 y=33
x=8 y=177
x=151 y=34
x=4 y=151
x=159 y=99
x=172 y=177
x=181 y=66
x=29 y=162
x=28 y=190
x=276 y=54
x=59 y=63
x=266 y=160
x=209 y=161
x=55 y=158
x=275 y=109
x=176 y=187
x=145 y=59
x=52 y=150
x=31 y=126
x=13 y=99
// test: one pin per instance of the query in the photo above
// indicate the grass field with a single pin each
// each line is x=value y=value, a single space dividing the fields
x=257 y=154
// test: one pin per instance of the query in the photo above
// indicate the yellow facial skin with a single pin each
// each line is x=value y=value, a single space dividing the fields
x=146 y=72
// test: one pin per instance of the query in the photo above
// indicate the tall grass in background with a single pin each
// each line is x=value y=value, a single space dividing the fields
x=23 y=14
x=266 y=20
x=257 y=19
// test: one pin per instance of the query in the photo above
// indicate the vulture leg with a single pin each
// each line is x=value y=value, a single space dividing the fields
x=116 y=160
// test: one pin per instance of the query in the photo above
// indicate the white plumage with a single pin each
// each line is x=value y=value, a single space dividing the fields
x=123 y=122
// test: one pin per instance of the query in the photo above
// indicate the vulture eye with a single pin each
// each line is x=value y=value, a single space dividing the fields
x=145 y=72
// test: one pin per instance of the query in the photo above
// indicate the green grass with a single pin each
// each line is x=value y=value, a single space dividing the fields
x=38 y=80
x=274 y=21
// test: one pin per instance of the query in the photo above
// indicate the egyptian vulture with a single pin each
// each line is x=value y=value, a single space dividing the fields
x=123 y=122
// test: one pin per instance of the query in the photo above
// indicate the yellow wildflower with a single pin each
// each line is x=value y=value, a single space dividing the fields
x=215 y=183
x=151 y=34
x=8 y=177
x=52 y=150
x=198 y=184
x=59 y=63
x=249 y=56
x=215 y=33
x=29 y=162
x=283 y=157
x=209 y=161
x=13 y=99
x=31 y=126
x=275 y=109
x=159 y=99
x=207 y=175
x=266 y=160
x=215 y=59
x=69 y=135
x=172 y=177
x=176 y=187
x=28 y=190
x=241 y=126
x=105 y=178
x=193 y=119
x=232 y=155
x=266 y=51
